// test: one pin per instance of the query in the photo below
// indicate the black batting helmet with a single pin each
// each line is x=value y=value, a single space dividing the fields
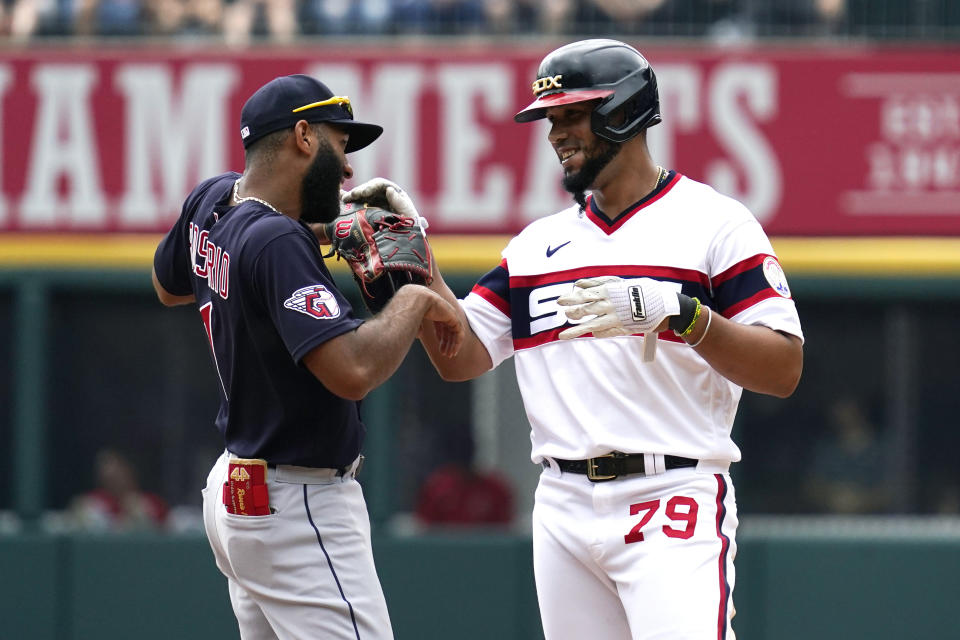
x=591 y=69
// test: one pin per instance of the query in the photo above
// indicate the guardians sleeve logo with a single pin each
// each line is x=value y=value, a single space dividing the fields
x=315 y=301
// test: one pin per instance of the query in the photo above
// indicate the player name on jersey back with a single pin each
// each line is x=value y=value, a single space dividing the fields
x=209 y=261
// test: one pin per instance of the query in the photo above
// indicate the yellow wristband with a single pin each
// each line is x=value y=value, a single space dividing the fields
x=705 y=329
x=693 y=323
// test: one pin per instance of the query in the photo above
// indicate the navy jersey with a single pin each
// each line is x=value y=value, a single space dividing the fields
x=266 y=299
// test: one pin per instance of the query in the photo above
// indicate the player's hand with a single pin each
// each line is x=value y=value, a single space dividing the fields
x=618 y=307
x=446 y=324
x=320 y=231
x=385 y=194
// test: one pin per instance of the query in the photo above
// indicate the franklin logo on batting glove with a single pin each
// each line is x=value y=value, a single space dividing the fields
x=620 y=307
x=636 y=304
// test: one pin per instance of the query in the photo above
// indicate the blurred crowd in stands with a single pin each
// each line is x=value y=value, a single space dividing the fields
x=240 y=21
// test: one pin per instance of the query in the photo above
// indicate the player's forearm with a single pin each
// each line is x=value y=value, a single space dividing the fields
x=472 y=360
x=382 y=343
x=353 y=364
x=756 y=358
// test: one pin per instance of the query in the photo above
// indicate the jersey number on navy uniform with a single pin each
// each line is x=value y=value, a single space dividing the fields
x=206 y=314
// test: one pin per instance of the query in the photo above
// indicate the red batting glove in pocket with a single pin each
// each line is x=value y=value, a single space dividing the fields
x=245 y=491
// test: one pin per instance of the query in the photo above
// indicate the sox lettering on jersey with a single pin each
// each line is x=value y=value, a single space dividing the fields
x=545 y=314
x=744 y=284
x=530 y=301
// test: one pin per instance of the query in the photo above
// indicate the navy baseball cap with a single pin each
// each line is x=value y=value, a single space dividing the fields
x=286 y=100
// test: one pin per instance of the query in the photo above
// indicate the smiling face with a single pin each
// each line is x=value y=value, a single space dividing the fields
x=582 y=154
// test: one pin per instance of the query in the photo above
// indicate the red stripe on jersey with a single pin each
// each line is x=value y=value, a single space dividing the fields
x=502 y=305
x=722 y=562
x=759 y=296
x=553 y=335
x=744 y=265
x=629 y=271
x=609 y=229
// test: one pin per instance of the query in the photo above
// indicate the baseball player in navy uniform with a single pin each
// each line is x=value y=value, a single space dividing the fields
x=283 y=512
x=634 y=524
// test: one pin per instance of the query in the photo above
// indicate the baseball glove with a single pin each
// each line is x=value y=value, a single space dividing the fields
x=385 y=250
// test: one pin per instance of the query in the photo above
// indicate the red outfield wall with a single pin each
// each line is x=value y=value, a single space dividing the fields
x=817 y=141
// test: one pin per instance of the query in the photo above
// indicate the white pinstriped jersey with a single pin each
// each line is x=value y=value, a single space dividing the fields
x=589 y=396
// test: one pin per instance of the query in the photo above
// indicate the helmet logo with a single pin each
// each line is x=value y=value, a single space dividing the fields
x=544 y=84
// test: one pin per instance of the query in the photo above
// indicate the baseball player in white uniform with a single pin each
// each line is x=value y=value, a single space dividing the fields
x=634 y=524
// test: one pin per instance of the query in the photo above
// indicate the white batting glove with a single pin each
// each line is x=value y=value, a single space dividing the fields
x=620 y=307
x=385 y=194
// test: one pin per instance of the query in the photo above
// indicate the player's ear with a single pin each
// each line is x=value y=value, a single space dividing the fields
x=304 y=136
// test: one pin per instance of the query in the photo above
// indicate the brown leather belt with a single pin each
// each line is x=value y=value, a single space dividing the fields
x=616 y=464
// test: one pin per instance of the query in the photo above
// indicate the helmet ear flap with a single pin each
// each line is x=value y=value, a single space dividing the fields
x=636 y=98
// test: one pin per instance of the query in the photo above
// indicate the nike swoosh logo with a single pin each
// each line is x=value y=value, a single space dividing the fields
x=551 y=250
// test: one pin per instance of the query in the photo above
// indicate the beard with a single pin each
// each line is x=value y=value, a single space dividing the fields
x=597 y=157
x=320 y=189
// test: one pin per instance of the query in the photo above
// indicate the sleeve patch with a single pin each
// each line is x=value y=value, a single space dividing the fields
x=315 y=301
x=747 y=283
x=776 y=277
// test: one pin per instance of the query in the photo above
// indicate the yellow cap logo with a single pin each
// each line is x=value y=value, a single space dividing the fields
x=543 y=84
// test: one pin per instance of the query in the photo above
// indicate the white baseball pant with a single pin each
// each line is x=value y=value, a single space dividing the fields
x=306 y=570
x=635 y=558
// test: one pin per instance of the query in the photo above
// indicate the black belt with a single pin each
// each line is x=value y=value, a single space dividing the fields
x=613 y=465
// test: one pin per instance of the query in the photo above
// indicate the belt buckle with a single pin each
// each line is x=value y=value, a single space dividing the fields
x=356 y=469
x=592 y=474
x=352 y=469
